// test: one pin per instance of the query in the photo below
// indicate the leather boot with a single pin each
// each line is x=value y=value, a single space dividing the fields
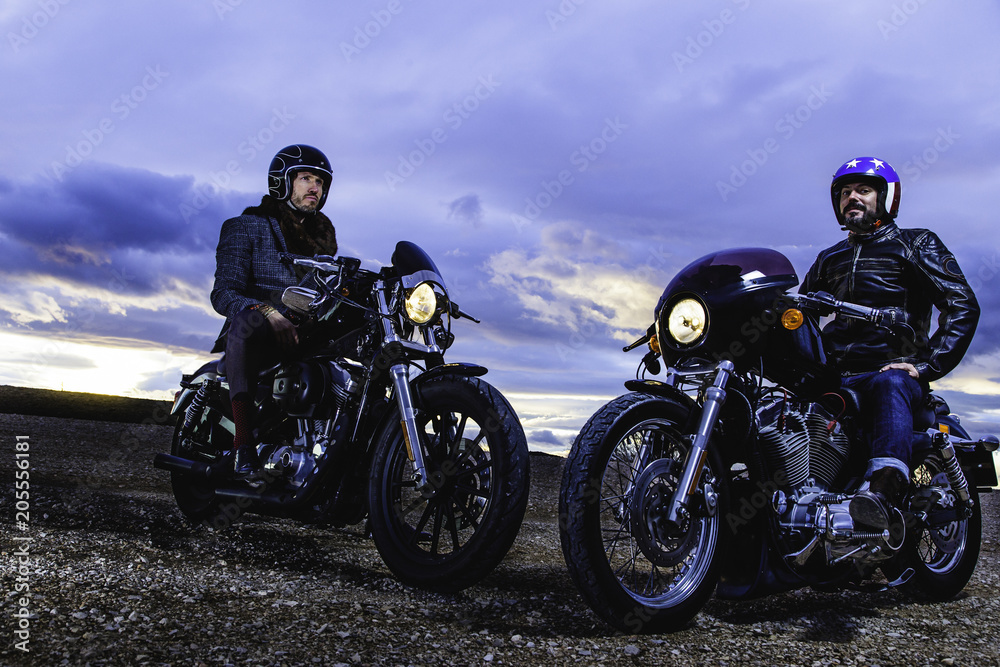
x=875 y=508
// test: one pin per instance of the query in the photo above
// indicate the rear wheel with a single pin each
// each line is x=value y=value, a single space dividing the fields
x=943 y=555
x=638 y=571
x=195 y=496
x=450 y=532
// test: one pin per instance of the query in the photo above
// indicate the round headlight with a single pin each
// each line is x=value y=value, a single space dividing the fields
x=686 y=322
x=421 y=304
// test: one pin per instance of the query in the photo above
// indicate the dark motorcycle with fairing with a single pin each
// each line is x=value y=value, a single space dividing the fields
x=366 y=420
x=734 y=474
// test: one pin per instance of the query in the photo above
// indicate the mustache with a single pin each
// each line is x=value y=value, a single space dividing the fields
x=856 y=206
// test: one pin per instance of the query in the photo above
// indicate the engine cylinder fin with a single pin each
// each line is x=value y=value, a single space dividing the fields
x=787 y=449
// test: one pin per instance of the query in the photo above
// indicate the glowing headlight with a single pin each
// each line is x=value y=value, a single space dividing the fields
x=421 y=304
x=686 y=321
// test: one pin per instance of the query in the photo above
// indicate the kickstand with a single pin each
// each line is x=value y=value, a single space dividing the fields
x=900 y=580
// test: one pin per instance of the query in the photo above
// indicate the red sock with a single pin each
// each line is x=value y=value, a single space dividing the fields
x=243 y=420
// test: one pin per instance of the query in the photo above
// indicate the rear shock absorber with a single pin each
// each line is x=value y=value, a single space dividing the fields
x=194 y=412
x=952 y=467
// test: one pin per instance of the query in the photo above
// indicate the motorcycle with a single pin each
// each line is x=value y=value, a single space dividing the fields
x=735 y=473
x=366 y=421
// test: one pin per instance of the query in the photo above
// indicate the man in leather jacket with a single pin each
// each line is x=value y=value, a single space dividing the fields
x=909 y=271
x=250 y=278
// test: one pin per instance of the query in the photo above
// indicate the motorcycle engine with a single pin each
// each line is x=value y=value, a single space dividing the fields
x=296 y=461
x=805 y=451
x=315 y=388
x=811 y=517
x=801 y=441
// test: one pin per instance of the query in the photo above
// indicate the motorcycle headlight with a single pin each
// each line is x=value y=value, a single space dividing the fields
x=687 y=322
x=421 y=304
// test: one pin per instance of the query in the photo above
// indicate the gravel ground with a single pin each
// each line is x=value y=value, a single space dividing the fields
x=115 y=576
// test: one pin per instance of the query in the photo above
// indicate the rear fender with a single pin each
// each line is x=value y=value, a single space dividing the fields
x=190 y=384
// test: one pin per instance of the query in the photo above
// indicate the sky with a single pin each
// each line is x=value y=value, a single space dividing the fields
x=560 y=160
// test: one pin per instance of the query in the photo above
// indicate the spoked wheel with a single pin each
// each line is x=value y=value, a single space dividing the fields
x=451 y=531
x=943 y=555
x=637 y=569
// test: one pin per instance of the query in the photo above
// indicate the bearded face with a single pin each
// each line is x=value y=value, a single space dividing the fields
x=307 y=190
x=859 y=207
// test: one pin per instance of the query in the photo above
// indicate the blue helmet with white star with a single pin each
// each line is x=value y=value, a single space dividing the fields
x=871 y=170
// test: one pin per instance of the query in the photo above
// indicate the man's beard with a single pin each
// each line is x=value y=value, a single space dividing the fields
x=300 y=205
x=863 y=225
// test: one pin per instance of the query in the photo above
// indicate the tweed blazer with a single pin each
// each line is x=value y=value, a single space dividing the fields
x=248 y=266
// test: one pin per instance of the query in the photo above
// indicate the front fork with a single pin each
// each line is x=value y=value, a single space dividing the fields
x=694 y=462
x=400 y=374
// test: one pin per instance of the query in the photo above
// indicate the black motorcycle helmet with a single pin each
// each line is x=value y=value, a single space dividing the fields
x=291 y=159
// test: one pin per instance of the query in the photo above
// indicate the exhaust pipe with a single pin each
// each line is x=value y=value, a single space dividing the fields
x=184 y=466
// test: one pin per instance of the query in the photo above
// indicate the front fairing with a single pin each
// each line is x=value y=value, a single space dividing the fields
x=414 y=266
x=740 y=290
x=734 y=274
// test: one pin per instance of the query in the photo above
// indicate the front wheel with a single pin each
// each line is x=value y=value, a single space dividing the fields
x=636 y=570
x=451 y=531
x=942 y=556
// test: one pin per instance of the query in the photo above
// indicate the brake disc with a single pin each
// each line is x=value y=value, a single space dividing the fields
x=663 y=542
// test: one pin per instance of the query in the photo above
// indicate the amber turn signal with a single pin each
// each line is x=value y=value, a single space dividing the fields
x=792 y=319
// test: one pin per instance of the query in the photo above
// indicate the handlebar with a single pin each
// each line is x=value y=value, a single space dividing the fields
x=825 y=303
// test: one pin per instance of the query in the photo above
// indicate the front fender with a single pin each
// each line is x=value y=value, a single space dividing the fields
x=463 y=369
x=392 y=412
x=663 y=390
x=736 y=416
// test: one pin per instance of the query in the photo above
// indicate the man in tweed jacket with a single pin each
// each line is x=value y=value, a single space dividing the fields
x=250 y=279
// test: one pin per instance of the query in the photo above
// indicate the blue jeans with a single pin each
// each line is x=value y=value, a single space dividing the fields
x=888 y=400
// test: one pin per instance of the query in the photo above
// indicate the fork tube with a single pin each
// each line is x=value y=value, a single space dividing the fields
x=715 y=396
x=400 y=374
x=401 y=383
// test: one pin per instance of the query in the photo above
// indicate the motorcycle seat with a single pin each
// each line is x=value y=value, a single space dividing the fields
x=925 y=415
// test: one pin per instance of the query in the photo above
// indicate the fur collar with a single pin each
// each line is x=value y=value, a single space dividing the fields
x=312 y=234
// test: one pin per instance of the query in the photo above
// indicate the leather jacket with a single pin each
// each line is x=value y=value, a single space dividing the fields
x=906 y=269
